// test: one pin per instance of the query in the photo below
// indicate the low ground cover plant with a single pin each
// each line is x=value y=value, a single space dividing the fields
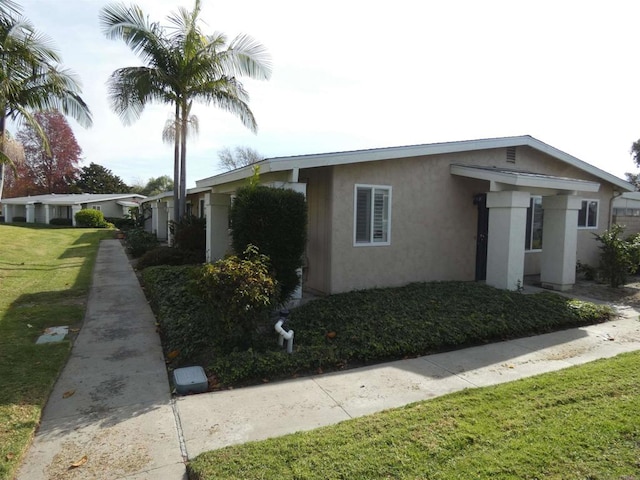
x=579 y=423
x=356 y=328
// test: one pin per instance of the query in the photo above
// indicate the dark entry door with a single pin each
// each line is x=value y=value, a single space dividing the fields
x=480 y=200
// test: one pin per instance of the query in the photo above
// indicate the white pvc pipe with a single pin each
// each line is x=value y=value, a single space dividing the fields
x=284 y=335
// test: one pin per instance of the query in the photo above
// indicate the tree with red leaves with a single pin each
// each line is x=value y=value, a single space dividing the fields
x=47 y=170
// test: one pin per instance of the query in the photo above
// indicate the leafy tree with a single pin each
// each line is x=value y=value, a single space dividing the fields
x=98 y=179
x=182 y=65
x=154 y=186
x=238 y=157
x=633 y=178
x=51 y=166
x=31 y=79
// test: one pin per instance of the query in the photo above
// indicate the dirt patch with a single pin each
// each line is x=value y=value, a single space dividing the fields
x=629 y=294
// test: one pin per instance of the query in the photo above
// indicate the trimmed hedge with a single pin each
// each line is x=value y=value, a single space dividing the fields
x=275 y=221
x=139 y=241
x=121 y=223
x=65 y=222
x=90 y=218
x=168 y=256
x=19 y=219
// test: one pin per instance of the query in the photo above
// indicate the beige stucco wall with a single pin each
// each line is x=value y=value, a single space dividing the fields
x=317 y=268
x=433 y=219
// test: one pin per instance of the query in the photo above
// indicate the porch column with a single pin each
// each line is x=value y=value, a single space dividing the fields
x=216 y=211
x=165 y=222
x=30 y=213
x=507 y=230
x=559 y=241
x=47 y=213
x=8 y=213
x=74 y=209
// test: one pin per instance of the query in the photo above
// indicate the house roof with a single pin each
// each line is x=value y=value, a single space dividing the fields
x=340 y=158
x=517 y=178
x=160 y=196
x=70 y=199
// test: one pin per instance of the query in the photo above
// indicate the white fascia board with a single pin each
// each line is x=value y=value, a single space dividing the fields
x=389 y=153
x=518 y=179
x=580 y=164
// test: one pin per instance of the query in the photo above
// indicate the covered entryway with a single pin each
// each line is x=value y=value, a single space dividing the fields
x=507 y=200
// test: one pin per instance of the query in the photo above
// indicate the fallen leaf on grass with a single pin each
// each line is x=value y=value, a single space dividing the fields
x=79 y=463
x=10 y=456
x=74 y=330
x=68 y=393
x=173 y=354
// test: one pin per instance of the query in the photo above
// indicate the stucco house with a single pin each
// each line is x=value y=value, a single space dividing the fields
x=626 y=212
x=493 y=210
x=43 y=208
x=159 y=210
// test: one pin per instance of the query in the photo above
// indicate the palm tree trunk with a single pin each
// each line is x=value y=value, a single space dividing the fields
x=2 y=165
x=176 y=168
x=183 y=157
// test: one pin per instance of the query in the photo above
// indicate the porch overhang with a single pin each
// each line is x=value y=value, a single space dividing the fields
x=501 y=179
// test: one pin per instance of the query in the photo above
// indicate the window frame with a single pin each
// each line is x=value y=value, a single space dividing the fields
x=96 y=207
x=586 y=218
x=372 y=189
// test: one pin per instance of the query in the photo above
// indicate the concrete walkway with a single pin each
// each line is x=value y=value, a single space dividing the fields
x=112 y=402
x=121 y=415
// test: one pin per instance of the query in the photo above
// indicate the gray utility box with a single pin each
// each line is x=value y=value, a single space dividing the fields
x=190 y=380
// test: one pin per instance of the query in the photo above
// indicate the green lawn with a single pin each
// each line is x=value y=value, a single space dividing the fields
x=45 y=274
x=579 y=423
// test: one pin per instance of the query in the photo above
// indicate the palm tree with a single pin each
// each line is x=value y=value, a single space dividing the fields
x=182 y=65
x=31 y=79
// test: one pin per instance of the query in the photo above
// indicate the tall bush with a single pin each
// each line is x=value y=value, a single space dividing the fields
x=139 y=241
x=274 y=220
x=189 y=234
x=240 y=292
x=616 y=256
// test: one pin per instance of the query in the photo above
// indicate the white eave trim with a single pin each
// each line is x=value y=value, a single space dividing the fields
x=279 y=164
x=524 y=179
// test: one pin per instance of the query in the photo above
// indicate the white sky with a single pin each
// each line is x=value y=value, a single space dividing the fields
x=355 y=74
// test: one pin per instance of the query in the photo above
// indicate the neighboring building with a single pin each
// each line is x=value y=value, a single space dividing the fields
x=43 y=208
x=626 y=212
x=159 y=210
x=490 y=210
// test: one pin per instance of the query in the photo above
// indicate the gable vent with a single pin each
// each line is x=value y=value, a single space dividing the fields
x=511 y=154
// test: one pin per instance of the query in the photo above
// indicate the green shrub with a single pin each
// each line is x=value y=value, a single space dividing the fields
x=616 y=256
x=91 y=218
x=139 y=241
x=168 y=256
x=2 y=219
x=241 y=292
x=190 y=234
x=67 y=222
x=19 y=219
x=275 y=221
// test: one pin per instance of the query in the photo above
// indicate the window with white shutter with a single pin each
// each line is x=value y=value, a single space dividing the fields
x=372 y=215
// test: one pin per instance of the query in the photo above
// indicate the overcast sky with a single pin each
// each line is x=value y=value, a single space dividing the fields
x=354 y=74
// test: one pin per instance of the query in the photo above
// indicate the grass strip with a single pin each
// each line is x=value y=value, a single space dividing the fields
x=578 y=423
x=45 y=274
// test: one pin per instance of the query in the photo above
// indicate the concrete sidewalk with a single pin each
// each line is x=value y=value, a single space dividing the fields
x=122 y=419
x=215 y=420
x=118 y=411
